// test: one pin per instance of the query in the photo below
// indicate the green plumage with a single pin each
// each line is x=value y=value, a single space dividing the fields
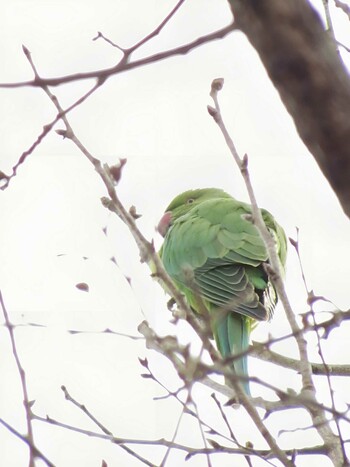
x=205 y=231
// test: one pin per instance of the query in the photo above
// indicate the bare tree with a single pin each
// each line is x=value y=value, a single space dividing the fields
x=303 y=62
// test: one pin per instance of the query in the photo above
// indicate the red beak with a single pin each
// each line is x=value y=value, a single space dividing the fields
x=164 y=223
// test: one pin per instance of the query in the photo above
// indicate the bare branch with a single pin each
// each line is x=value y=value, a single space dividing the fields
x=122 y=67
x=274 y=271
x=158 y=29
x=219 y=449
x=311 y=302
x=343 y=6
x=34 y=449
x=105 y=430
x=29 y=438
x=45 y=131
x=260 y=351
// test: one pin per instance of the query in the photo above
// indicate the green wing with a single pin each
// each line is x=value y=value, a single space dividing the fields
x=225 y=252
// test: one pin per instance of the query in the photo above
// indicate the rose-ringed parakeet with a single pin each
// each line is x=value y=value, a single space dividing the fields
x=206 y=231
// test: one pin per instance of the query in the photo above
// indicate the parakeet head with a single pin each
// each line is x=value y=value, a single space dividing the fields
x=186 y=201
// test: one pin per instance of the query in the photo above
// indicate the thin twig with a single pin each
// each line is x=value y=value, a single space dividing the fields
x=123 y=67
x=36 y=452
x=158 y=29
x=311 y=302
x=188 y=449
x=45 y=131
x=200 y=424
x=105 y=430
x=259 y=350
x=127 y=51
x=162 y=464
x=84 y=409
x=343 y=6
x=29 y=438
x=223 y=415
x=189 y=411
x=262 y=352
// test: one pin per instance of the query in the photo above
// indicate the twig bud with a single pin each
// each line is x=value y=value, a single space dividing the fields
x=217 y=84
x=62 y=133
x=134 y=213
x=25 y=51
x=212 y=112
x=83 y=286
x=116 y=170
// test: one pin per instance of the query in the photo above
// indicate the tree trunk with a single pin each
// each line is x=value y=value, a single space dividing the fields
x=304 y=65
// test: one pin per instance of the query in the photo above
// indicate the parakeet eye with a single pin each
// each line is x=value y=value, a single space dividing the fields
x=190 y=200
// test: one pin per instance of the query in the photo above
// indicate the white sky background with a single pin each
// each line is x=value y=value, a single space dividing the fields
x=156 y=117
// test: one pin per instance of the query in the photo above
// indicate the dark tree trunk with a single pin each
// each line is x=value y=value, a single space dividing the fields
x=305 y=67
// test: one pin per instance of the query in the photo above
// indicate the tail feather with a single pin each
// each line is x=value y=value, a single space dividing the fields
x=231 y=332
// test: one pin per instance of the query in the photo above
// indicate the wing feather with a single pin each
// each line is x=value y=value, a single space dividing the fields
x=223 y=249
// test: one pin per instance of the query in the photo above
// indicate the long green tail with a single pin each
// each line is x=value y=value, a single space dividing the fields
x=231 y=332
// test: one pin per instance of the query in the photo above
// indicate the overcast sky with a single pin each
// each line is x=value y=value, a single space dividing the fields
x=52 y=217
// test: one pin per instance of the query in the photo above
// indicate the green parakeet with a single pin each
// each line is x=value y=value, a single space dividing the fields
x=205 y=231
